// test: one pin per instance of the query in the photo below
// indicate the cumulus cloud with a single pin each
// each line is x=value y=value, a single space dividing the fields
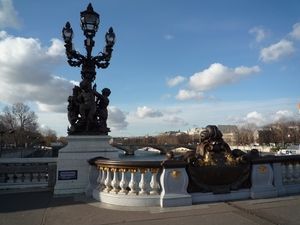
x=175 y=121
x=165 y=96
x=296 y=31
x=172 y=111
x=8 y=15
x=261 y=119
x=289 y=115
x=116 y=118
x=171 y=82
x=217 y=75
x=184 y=95
x=260 y=33
x=168 y=37
x=26 y=72
x=143 y=112
x=277 y=52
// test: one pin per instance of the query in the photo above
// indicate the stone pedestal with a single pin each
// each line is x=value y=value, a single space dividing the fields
x=261 y=179
x=72 y=165
x=174 y=181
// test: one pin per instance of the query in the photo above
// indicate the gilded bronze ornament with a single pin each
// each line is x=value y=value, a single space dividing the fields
x=214 y=167
x=175 y=174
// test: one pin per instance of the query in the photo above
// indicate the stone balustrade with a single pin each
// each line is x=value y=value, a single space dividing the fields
x=286 y=173
x=133 y=183
x=153 y=183
x=20 y=173
x=125 y=181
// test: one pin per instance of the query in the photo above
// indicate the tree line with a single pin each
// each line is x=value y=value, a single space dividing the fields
x=281 y=133
x=19 y=128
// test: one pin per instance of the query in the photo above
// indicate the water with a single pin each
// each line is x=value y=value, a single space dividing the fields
x=141 y=155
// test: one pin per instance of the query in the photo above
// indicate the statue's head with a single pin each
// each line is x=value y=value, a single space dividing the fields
x=76 y=90
x=85 y=85
x=106 y=91
x=211 y=133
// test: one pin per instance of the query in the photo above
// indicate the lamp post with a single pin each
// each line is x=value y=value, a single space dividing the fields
x=1 y=136
x=81 y=109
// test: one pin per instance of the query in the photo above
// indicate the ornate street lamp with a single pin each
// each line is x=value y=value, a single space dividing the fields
x=84 y=114
x=2 y=132
x=1 y=137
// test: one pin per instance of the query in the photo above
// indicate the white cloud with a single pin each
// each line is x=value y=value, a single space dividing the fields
x=277 y=52
x=116 y=118
x=56 y=49
x=143 y=112
x=296 y=31
x=283 y=68
x=26 y=73
x=289 y=115
x=261 y=119
x=52 y=108
x=165 y=96
x=189 y=95
x=8 y=15
x=175 y=121
x=217 y=75
x=168 y=37
x=172 y=111
x=260 y=33
x=171 y=82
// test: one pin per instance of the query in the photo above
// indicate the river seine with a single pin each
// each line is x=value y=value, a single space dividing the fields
x=141 y=155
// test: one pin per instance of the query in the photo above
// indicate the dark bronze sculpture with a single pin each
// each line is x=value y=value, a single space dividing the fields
x=87 y=109
x=214 y=167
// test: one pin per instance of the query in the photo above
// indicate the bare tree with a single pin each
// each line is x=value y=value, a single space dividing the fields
x=21 y=120
x=281 y=130
x=49 y=136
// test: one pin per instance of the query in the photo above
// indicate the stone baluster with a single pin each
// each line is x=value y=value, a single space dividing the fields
x=10 y=177
x=283 y=172
x=23 y=177
x=20 y=177
x=153 y=183
x=115 y=182
x=44 y=177
x=27 y=177
x=15 y=177
x=132 y=182
x=99 y=178
x=143 y=184
x=39 y=177
x=123 y=182
x=35 y=177
x=288 y=173
x=107 y=181
x=103 y=175
x=295 y=173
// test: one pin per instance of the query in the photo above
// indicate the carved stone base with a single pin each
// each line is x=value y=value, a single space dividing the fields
x=72 y=165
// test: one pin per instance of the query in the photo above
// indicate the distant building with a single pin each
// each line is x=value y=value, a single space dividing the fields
x=229 y=133
x=171 y=133
x=195 y=134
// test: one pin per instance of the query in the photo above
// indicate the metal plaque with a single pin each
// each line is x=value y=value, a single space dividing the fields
x=67 y=175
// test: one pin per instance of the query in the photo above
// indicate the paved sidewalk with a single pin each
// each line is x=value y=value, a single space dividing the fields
x=42 y=208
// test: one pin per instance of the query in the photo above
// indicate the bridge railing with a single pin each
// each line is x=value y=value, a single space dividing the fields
x=286 y=172
x=118 y=181
x=135 y=177
x=20 y=173
x=127 y=183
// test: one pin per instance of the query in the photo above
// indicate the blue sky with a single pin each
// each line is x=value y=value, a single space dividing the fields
x=176 y=64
